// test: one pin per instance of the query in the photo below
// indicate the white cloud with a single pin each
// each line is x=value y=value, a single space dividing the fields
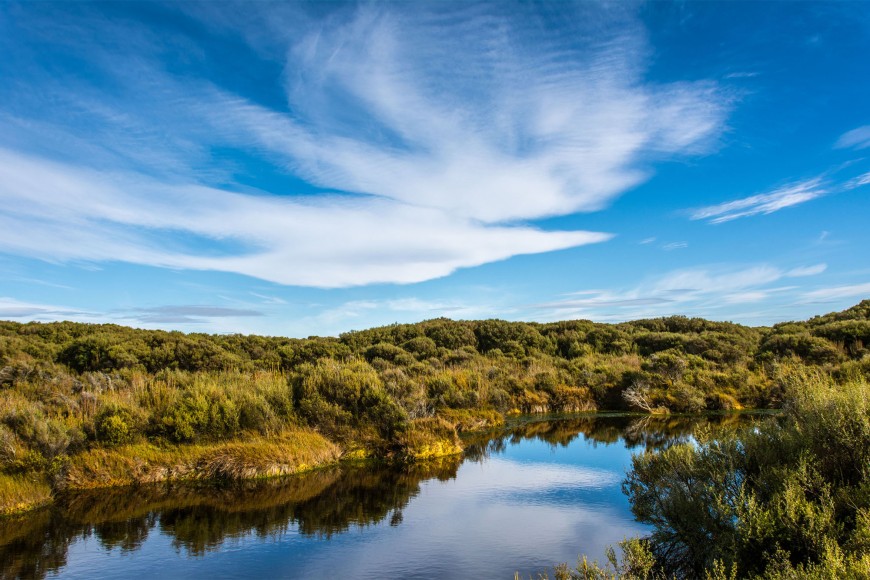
x=766 y=203
x=745 y=297
x=675 y=246
x=806 y=271
x=327 y=242
x=450 y=131
x=703 y=281
x=857 y=182
x=498 y=123
x=700 y=291
x=13 y=308
x=268 y=299
x=855 y=290
x=856 y=138
x=187 y=314
x=361 y=314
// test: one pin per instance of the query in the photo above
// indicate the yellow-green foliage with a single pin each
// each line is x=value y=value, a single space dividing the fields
x=472 y=419
x=291 y=452
x=428 y=438
x=20 y=493
x=786 y=499
x=637 y=562
x=68 y=388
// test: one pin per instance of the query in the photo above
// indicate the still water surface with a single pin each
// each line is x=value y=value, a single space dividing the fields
x=519 y=500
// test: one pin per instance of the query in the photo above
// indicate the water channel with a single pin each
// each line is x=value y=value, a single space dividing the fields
x=520 y=500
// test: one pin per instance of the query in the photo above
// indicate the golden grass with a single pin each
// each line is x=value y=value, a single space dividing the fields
x=472 y=419
x=289 y=453
x=20 y=493
x=429 y=438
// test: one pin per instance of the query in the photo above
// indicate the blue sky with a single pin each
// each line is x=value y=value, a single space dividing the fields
x=300 y=169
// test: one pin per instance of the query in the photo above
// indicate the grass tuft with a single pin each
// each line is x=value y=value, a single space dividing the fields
x=291 y=452
x=20 y=493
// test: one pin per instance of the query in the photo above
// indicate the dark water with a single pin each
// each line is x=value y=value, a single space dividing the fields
x=520 y=500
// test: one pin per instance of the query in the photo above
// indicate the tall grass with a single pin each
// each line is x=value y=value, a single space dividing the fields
x=20 y=493
x=289 y=453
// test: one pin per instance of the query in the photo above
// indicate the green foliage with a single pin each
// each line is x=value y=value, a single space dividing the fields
x=637 y=563
x=337 y=396
x=812 y=349
x=66 y=388
x=784 y=499
x=114 y=425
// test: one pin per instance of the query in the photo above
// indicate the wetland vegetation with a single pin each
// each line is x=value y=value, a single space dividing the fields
x=85 y=406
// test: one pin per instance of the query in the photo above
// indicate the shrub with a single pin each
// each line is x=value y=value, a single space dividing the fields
x=786 y=495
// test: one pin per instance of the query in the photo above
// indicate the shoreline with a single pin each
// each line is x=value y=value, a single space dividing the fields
x=291 y=453
x=298 y=452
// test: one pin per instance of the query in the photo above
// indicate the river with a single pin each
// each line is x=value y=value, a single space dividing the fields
x=521 y=499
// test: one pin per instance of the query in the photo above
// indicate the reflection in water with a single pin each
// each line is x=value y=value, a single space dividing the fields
x=649 y=432
x=199 y=519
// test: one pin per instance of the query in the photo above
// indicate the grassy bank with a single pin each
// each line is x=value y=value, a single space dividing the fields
x=21 y=493
x=290 y=453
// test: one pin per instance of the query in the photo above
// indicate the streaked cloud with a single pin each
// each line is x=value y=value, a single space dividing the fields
x=421 y=162
x=746 y=297
x=361 y=314
x=855 y=139
x=187 y=314
x=836 y=292
x=857 y=182
x=697 y=291
x=765 y=203
x=807 y=271
x=326 y=242
x=13 y=308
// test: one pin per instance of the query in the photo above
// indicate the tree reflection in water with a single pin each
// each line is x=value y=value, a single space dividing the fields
x=201 y=518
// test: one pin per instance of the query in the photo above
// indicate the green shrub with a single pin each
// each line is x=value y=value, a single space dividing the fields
x=784 y=496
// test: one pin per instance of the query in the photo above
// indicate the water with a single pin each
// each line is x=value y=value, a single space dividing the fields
x=520 y=500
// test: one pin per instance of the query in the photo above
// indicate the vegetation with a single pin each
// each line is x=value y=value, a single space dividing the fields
x=784 y=499
x=84 y=405
x=199 y=517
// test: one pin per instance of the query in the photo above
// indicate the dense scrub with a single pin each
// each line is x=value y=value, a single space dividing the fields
x=68 y=389
x=785 y=499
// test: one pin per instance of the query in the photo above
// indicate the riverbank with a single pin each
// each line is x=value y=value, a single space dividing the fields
x=291 y=452
x=302 y=450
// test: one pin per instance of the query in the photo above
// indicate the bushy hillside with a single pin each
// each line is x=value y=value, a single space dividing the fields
x=69 y=388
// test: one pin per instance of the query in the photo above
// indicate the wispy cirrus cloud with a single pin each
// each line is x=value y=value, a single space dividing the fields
x=807 y=271
x=324 y=242
x=765 y=203
x=360 y=314
x=431 y=139
x=836 y=292
x=699 y=291
x=191 y=314
x=13 y=308
x=858 y=181
x=855 y=139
